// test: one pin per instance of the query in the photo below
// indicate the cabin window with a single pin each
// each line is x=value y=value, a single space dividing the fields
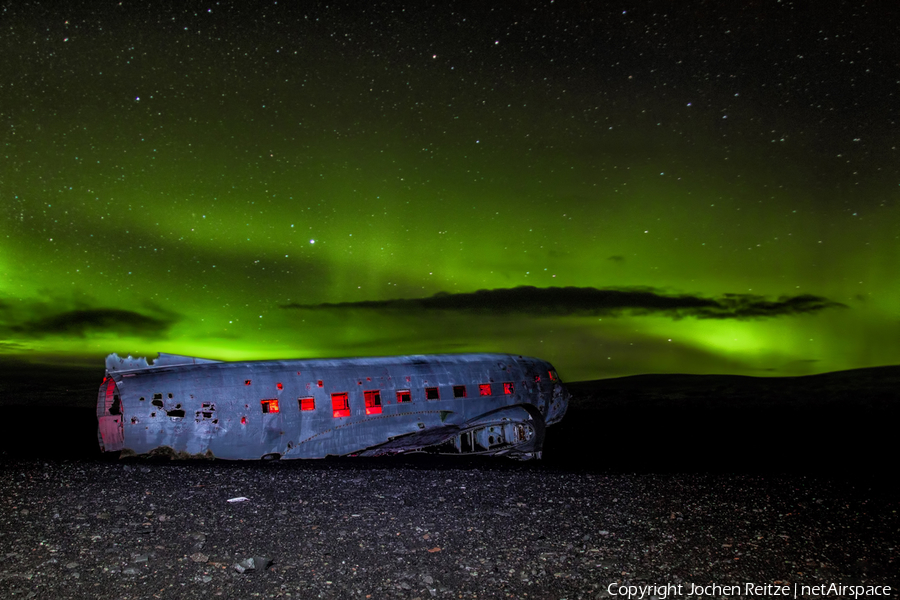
x=432 y=393
x=270 y=405
x=340 y=404
x=403 y=396
x=308 y=403
x=207 y=411
x=484 y=389
x=553 y=376
x=319 y=383
x=509 y=388
x=279 y=386
x=373 y=402
x=246 y=382
x=459 y=391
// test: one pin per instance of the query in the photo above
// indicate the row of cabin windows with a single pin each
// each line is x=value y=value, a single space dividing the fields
x=340 y=401
x=459 y=391
x=431 y=393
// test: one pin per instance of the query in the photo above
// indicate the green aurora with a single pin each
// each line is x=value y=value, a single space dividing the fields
x=201 y=180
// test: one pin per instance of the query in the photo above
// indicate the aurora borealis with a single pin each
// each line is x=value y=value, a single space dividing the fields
x=634 y=188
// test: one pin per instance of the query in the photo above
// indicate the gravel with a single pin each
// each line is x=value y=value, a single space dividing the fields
x=430 y=528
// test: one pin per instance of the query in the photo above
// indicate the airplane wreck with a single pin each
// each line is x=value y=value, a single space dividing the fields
x=462 y=404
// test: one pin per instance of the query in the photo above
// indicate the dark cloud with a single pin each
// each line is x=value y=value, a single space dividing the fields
x=79 y=323
x=582 y=301
x=6 y=346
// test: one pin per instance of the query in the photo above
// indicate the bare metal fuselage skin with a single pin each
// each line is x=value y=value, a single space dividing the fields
x=489 y=404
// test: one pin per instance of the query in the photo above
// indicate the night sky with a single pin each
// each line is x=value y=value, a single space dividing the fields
x=618 y=188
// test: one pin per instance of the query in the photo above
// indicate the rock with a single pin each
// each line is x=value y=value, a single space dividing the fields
x=254 y=563
x=244 y=565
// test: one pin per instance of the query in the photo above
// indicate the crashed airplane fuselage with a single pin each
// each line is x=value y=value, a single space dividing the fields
x=486 y=404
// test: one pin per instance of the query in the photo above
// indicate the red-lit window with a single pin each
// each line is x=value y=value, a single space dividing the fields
x=432 y=394
x=340 y=404
x=270 y=405
x=484 y=389
x=373 y=402
x=279 y=386
x=246 y=382
x=459 y=391
x=552 y=375
x=509 y=388
x=308 y=403
x=243 y=420
x=403 y=396
x=319 y=383
x=537 y=378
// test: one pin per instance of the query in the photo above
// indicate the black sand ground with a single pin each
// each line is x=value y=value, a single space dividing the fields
x=649 y=480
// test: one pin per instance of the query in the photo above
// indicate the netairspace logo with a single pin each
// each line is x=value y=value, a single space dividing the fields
x=746 y=590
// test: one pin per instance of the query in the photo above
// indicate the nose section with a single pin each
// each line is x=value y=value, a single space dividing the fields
x=559 y=402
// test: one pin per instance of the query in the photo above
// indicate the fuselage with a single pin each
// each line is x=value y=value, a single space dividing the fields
x=462 y=403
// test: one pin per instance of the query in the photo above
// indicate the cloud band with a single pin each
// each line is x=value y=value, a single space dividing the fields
x=587 y=301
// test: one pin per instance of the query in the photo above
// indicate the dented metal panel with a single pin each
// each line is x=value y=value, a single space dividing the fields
x=486 y=404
